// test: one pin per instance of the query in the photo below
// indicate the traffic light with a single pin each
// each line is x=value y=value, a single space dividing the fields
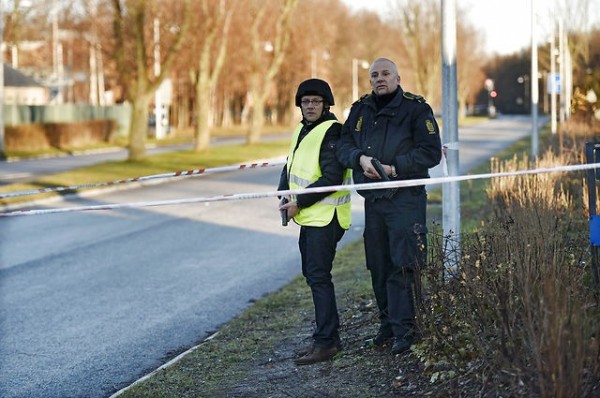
x=493 y=94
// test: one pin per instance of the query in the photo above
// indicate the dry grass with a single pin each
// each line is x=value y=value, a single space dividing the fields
x=520 y=313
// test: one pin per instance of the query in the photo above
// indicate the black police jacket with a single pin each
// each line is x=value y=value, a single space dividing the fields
x=404 y=133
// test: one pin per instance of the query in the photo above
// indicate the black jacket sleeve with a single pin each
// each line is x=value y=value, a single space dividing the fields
x=283 y=180
x=427 y=147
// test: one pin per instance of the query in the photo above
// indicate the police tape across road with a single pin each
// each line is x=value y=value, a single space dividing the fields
x=183 y=173
x=332 y=188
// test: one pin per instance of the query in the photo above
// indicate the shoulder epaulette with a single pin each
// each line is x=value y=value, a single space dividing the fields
x=361 y=99
x=413 y=97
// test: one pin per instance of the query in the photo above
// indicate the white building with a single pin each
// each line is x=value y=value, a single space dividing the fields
x=20 y=89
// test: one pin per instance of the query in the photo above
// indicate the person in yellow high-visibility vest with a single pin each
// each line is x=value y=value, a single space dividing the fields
x=323 y=217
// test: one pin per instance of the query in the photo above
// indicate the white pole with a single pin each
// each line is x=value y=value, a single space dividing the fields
x=2 y=154
x=568 y=79
x=158 y=109
x=534 y=85
x=561 y=51
x=54 y=39
x=354 y=79
x=451 y=190
x=100 y=78
x=93 y=76
x=552 y=82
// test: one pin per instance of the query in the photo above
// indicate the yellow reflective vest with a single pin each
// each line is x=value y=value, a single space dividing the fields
x=303 y=169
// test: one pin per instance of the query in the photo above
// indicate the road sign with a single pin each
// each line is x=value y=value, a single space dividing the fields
x=554 y=88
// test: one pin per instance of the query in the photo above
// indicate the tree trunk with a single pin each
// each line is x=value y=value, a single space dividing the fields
x=202 y=128
x=138 y=86
x=139 y=127
x=261 y=78
x=257 y=122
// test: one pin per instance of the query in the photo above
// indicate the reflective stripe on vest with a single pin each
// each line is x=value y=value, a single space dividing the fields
x=304 y=169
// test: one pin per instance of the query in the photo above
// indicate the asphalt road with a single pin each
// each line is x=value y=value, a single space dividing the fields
x=91 y=301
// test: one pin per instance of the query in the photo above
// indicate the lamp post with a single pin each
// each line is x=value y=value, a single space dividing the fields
x=2 y=155
x=534 y=94
x=314 y=61
x=355 y=63
x=159 y=130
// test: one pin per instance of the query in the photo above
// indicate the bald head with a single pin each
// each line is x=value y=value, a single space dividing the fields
x=384 y=76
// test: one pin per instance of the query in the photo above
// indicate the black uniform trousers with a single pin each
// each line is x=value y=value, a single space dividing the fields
x=317 y=249
x=395 y=244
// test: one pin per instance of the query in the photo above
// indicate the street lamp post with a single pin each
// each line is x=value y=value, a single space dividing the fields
x=2 y=155
x=355 y=63
x=159 y=130
x=534 y=94
x=314 y=61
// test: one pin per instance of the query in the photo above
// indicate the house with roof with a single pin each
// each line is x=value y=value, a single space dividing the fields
x=20 y=89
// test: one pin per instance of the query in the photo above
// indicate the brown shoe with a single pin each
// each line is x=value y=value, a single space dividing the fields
x=318 y=354
x=309 y=349
x=305 y=351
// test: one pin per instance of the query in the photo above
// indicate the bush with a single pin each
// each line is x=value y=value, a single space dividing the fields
x=34 y=137
x=519 y=312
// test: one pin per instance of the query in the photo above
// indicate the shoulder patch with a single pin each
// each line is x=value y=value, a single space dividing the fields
x=429 y=126
x=413 y=97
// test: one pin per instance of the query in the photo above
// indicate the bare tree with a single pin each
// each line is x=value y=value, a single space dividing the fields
x=420 y=24
x=264 y=71
x=139 y=84
x=214 y=36
x=470 y=60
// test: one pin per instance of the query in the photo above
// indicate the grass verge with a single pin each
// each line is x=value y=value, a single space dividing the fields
x=156 y=164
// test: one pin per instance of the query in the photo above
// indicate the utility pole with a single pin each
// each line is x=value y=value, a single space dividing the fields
x=561 y=57
x=364 y=64
x=450 y=190
x=534 y=85
x=158 y=102
x=552 y=82
x=2 y=154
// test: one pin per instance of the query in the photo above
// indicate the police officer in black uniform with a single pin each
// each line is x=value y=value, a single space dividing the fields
x=398 y=129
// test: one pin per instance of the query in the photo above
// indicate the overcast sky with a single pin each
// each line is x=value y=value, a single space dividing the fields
x=506 y=23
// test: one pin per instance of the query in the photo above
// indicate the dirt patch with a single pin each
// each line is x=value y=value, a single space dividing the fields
x=360 y=370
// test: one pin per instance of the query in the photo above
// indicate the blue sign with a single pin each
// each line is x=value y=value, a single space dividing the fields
x=554 y=88
x=595 y=230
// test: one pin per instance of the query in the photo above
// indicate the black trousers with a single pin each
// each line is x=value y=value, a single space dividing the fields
x=395 y=245
x=317 y=249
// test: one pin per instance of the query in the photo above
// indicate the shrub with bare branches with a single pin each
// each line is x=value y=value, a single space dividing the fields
x=520 y=311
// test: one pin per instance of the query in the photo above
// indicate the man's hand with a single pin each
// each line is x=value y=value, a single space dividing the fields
x=369 y=170
x=291 y=207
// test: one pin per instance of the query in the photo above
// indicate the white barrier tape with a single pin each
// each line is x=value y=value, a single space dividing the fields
x=451 y=145
x=331 y=188
x=444 y=164
x=183 y=173
x=445 y=147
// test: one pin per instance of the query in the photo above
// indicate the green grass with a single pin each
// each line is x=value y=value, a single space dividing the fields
x=156 y=164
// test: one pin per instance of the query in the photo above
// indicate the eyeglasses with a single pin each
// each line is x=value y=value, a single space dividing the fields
x=311 y=102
